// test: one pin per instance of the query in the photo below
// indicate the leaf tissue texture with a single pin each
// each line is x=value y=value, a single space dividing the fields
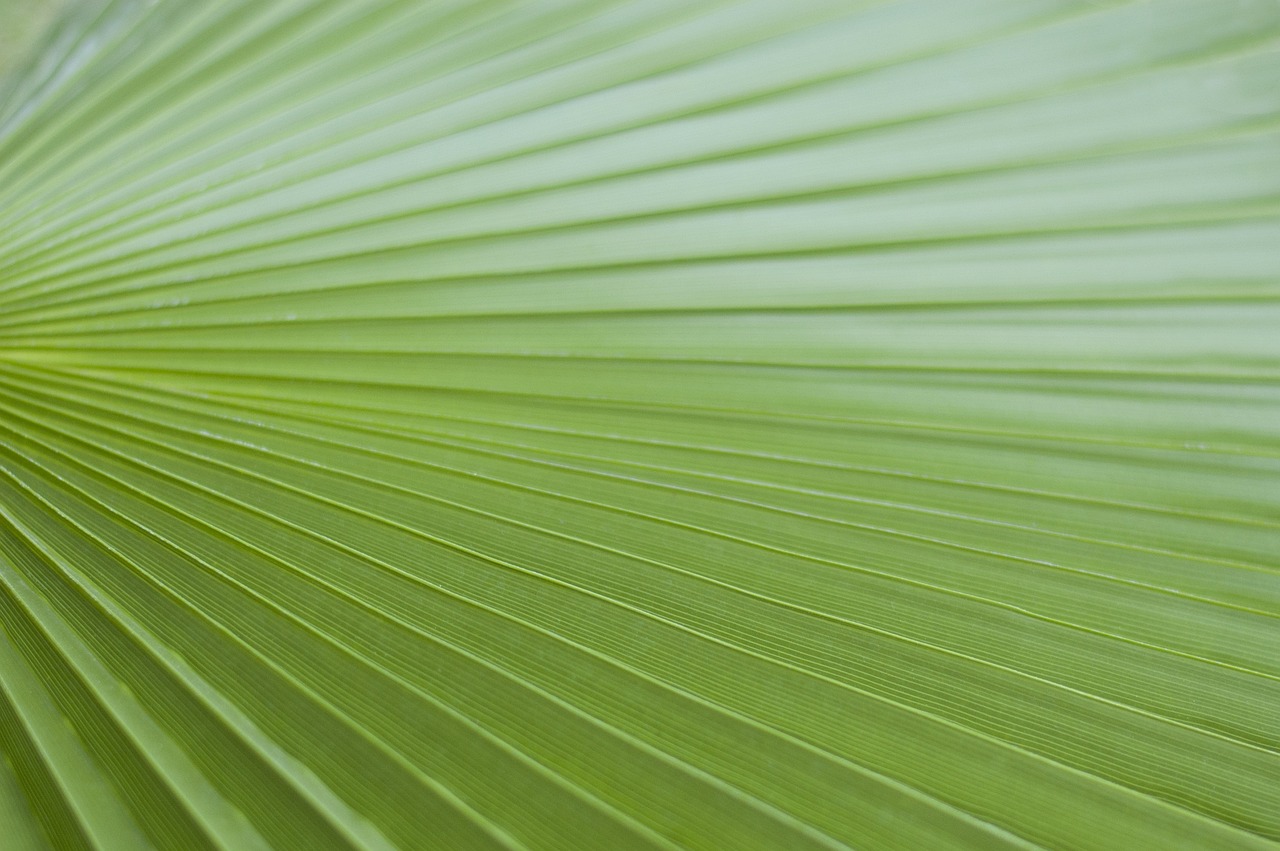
x=626 y=424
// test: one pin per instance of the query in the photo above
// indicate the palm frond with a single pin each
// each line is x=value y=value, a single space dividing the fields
x=611 y=424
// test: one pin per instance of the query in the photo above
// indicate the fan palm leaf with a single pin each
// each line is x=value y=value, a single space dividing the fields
x=614 y=424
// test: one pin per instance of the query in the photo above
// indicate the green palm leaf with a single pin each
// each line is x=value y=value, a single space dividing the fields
x=612 y=424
